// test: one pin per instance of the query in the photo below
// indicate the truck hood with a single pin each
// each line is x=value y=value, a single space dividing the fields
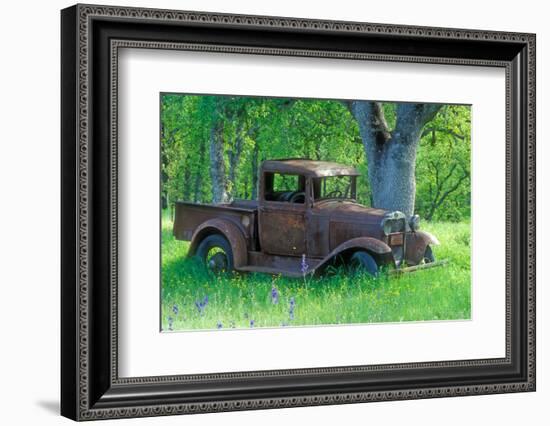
x=349 y=210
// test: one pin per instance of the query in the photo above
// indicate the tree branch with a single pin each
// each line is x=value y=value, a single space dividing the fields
x=380 y=121
x=452 y=189
x=348 y=105
x=427 y=112
x=411 y=119
x=372 y=122
x=428 y=130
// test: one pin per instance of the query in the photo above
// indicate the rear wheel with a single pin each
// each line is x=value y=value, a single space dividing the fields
x=216 y=254
x=362 y=261
x=428 y=255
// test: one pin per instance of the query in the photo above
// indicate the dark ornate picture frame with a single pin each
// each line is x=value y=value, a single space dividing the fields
x=90 y=38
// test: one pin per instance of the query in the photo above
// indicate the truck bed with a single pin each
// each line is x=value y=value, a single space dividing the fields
x=189 y=216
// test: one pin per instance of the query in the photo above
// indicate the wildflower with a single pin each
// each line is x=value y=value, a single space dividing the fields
x=304 y=266
x=201 y=304
x=175 y=309
x=291 y=308
x=274 y=295
x=252 y=323
x=170 y=322
x=219 y=325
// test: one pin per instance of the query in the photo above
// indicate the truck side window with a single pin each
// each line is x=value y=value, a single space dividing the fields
x=285 y=188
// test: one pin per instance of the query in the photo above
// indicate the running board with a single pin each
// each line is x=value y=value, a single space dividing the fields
x=414 y=268
x=293 y=273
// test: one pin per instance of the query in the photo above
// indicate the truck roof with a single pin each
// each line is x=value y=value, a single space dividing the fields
x=310 y=168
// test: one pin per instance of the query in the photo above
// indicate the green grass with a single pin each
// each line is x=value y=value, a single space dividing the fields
x=433 y=294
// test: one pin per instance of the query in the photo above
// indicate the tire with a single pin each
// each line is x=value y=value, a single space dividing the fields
x=362 y=261
x=216 y=254
x=429 y=256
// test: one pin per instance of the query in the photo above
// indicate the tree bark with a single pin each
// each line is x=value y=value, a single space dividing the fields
x=163 y=174
x=234 y=158
x=197 y=185
x=217 y=163
x=186 y=179
x=255 y=154
x=391 y=155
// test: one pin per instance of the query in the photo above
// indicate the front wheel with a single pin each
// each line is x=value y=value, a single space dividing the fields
x=216 y=254
x=362 y=261
x=429 y=256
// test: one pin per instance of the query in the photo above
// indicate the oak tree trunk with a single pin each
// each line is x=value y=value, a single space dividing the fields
x=391 y=155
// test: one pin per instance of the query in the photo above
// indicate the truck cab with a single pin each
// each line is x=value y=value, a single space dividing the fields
x=291 y=193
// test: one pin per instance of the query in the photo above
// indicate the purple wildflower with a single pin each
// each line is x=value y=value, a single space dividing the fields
x=170 y=322
x=175 y=309
x=274 y=295
x=252 y=323
x=201 y=304
x=304 y=266
x=291 y=308
x=219 y=325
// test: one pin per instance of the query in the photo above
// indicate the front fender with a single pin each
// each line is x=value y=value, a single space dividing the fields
x=416 y=246
x=230 y=231
x=380 y=250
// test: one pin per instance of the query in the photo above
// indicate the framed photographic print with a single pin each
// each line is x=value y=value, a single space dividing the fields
x=263 y=212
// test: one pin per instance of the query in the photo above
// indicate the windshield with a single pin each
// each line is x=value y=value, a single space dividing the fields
x=334 y=187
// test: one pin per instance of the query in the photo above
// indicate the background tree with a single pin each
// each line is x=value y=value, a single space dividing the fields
x=212 y=147
x=391 y=153
x=443 y=166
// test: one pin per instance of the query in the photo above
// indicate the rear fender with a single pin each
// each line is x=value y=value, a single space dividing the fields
x=416 y=246
x=230 y=231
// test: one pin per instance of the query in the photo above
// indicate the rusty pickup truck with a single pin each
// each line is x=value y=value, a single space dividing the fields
x=306 y=218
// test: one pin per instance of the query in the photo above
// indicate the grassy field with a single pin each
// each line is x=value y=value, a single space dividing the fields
x=192 y=299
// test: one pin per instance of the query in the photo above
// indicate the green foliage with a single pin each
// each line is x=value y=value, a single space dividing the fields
x=435 y=294
x=443 y=166
x=255 y=129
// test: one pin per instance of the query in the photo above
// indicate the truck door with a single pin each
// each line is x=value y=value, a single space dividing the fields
x=282 y=214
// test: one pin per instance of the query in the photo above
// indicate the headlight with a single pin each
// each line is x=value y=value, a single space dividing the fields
x=387 y=227
x=394 y=222
x=414 y=222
